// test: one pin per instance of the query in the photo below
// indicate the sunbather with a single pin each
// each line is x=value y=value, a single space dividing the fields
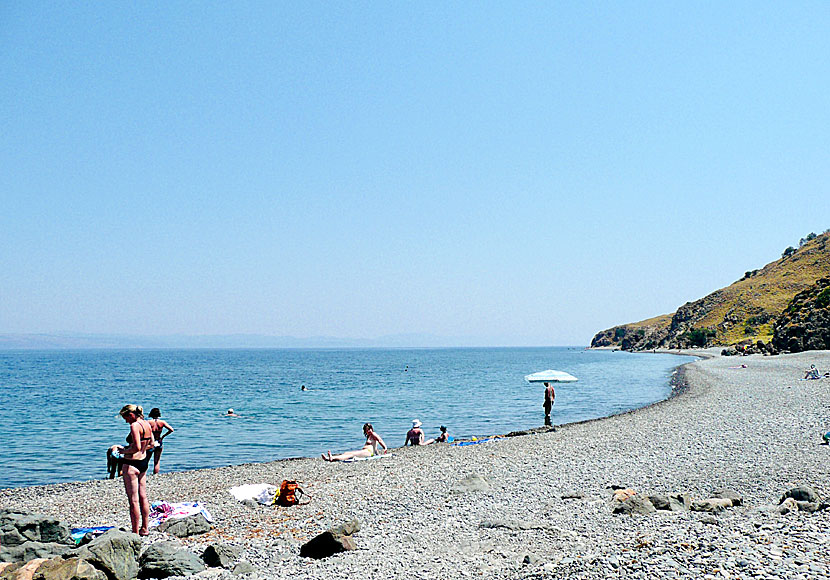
x=369 y=449
x=812 y=373
x=415 y=436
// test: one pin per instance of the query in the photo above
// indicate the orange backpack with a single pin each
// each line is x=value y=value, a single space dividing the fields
x=289 y=494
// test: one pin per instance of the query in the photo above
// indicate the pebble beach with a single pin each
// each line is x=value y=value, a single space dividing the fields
x=539 y=506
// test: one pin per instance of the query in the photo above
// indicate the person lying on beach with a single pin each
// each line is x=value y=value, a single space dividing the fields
x=415 y=436
x=158 y=425
x=369 y=449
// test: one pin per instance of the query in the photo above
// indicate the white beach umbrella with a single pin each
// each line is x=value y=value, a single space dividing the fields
x=551 y=376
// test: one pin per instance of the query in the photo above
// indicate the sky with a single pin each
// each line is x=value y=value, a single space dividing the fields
x=513 y=173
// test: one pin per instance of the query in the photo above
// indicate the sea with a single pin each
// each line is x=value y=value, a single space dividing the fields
x=59 y=408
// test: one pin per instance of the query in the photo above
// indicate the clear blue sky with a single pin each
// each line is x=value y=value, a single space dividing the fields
x=519 y=173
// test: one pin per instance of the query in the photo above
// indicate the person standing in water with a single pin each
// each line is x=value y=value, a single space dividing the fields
x=158 y=425
x=550 y=396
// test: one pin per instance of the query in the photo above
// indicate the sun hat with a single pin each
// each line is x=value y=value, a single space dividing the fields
x=415 y=423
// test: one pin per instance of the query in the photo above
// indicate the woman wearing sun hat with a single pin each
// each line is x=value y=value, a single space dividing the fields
x=415 y=436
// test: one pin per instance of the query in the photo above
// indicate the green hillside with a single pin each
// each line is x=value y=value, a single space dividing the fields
x=743 y=312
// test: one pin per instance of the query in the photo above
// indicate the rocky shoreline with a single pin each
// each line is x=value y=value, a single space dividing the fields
x=540 y=505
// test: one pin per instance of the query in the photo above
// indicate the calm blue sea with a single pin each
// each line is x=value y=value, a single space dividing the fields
x=58 y=409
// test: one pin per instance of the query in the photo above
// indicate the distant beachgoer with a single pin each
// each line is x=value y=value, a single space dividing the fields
x=415 y=436
x=158 y=425
x=302 y=388
x=134 y=460
x=444 y=437
x=812 y=373
x=550 y=396
x=369 y=449
x=232 y=414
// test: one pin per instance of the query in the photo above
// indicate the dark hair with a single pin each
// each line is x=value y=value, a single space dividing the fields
x=368 y=427
x=155 y=413
x=443 y=428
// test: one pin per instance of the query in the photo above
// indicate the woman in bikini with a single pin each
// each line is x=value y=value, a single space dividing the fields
x=369 y=448
x=158 y=425
x=135 y=459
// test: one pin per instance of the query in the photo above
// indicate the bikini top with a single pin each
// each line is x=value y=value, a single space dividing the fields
x=143 y=439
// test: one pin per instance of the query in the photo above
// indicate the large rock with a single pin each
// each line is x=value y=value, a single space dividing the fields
x=18 y=527
x=115 y=552
x=801 y=493
x=332 y=541
x=714 y=505
x=673 y=503
x=69 y=569
x=221 y=555
x=805 y=323
x=165 y=559
x=30 y=550
x=184 y=527
x=787 y=506
x=22 y=570
x=737 y=499
x=626 y=501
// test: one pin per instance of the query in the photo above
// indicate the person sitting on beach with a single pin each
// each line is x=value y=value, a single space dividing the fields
x=134 y=460
x=414 y=436
x=444 y=437
x=158 y=425
x=812 y=373
x=369 y=449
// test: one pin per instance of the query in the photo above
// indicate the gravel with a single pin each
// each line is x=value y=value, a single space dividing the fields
x=755 y=430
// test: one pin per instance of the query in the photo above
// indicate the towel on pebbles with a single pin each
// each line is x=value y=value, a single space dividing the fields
x=260 y=492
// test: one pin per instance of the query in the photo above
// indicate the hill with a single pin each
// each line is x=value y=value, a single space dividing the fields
x=744 y=312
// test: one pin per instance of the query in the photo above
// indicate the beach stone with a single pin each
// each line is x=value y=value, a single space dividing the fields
x=115 y=552
x=325 y=545
x=660 y=502
x=713 y=505
x=346 y=529
x=332 y=541
x=184 y=527
x=514 y=525
x=801 y=493
x=470 y=483
x=573 y=494
x=788 y=505
x=737 y=499
x=164 y=559
x=69 y=569
x=243 y=567
x=220 y=555
x=631 y=504
x=808 y=506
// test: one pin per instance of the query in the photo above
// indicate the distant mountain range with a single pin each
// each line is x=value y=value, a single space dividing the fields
x=114 y=341
x=782 y=306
